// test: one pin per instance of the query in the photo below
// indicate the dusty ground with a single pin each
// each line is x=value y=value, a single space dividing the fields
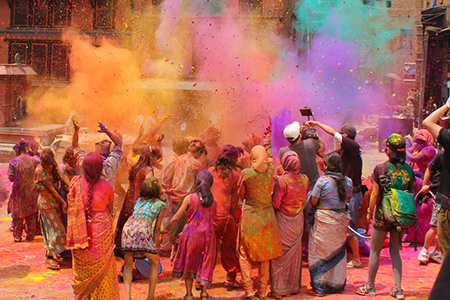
x=23 y=274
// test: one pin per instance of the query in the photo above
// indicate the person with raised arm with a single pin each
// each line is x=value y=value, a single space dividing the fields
x=350 y=153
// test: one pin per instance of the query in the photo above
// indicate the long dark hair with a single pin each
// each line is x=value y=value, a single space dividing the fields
x=334 y=164
x=226 y=162
x=48 y=160
x=225 y=165
x=145 y=160
x=92 y=171
x=204 y=182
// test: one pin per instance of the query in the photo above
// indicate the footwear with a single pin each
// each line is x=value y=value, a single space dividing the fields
x=350 y=265
x=247 y=295
x=366 y=290
x=260 y=295
x=273 y=296
x=17 y=240
x=316 y=294
x=186 y=297
x=52 y=264
x=423 y=257
x=435 y=257
x=232 y=283
x=205 y=296
x=397 y=293
x=58 y=258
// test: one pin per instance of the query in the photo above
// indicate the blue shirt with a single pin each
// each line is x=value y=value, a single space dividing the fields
x=326 y=191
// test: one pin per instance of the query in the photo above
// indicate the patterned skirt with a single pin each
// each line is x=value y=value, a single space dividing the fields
x=94 y=268
x=53 y=231
x=137 y=237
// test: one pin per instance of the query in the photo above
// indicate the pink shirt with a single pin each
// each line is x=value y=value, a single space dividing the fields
x=289 y=193
x=103 y=192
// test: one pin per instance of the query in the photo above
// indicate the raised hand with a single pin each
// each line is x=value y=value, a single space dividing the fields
x=76 y=125
x=268 y=129
x=102 y=127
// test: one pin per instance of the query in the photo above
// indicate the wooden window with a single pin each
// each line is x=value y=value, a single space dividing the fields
x=50 y=59
x=40 y=10
x=59 y=62
x=39 y=59
x=104 y=14
x=22 y=49
x=60 y=13
x=40 y=13
x=20 y=13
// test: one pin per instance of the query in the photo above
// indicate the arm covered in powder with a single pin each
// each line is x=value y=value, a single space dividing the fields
x=268 y=146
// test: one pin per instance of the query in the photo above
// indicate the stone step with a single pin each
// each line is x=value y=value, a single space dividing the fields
x=6 y=152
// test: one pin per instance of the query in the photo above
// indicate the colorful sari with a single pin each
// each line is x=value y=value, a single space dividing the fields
x=286 y=270
x=327 y=256
x=94 y=265
x=53 y=230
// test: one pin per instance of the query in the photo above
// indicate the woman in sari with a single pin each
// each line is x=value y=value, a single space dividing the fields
x=259 y=236
x=141 y=170
x=290 y=192
x=90 y=233
x=327 y=256
x=48 y=178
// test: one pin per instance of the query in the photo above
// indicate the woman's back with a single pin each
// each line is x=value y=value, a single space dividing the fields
x=326 y=190
x=199 y=216
x=148 y=208
x=401 y=175
x=257 y=188
x=103 y=194
x=290 y=192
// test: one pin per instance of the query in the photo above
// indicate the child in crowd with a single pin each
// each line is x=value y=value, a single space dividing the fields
x=196 y=256
x=139 y=239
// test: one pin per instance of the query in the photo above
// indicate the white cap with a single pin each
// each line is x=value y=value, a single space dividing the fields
x=292 y=131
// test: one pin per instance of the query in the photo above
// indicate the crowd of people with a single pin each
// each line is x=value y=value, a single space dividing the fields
x=234 y=199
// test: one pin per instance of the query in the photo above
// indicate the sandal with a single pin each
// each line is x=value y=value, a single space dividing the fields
x=247 y=295
x=58 y=258
x=260 y=296
x=316 y=294
x=273 y=296
x=350 y=265
x=205 y=296
x=232 y=284
x=52 y=264
x=186 y=297
x=397 y=293
x=366 y=290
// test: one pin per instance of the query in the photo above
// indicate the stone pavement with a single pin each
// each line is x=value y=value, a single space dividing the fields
x=23 y=274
